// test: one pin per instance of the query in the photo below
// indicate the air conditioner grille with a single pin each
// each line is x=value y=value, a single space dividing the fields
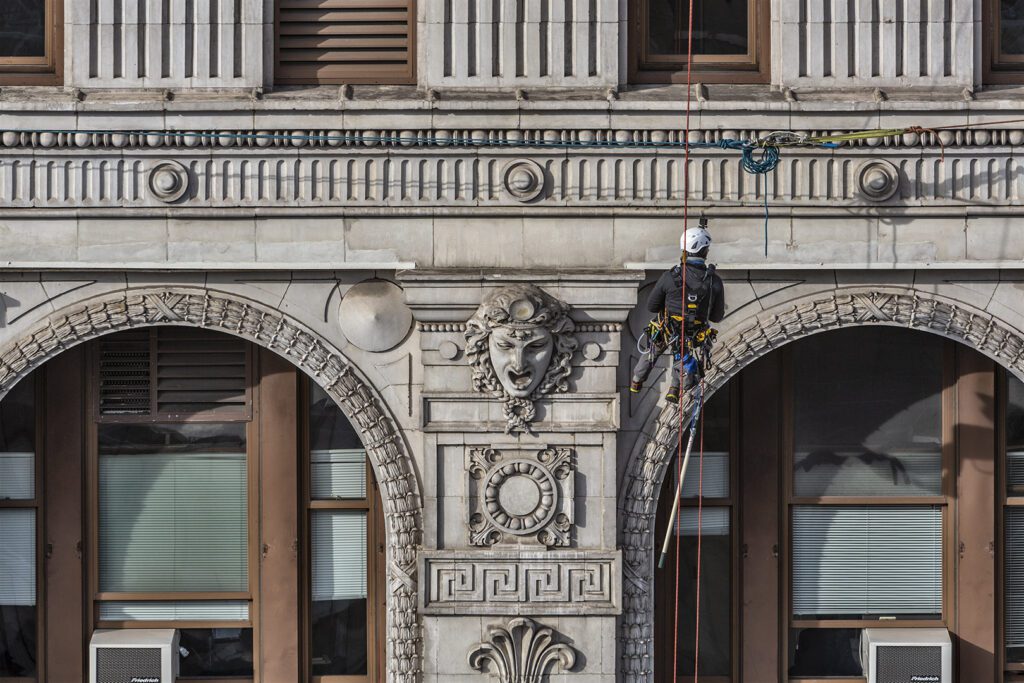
x=909 y=664
x=128 y=665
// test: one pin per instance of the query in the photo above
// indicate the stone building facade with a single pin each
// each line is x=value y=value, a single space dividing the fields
x=376 y=236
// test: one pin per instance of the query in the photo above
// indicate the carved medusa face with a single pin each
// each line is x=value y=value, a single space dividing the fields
x=520 y=358
x=520 y=343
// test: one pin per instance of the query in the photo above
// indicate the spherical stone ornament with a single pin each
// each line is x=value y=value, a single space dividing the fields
x=879 y=180
x=169 y=181
x=524 y=179
x=374 y=317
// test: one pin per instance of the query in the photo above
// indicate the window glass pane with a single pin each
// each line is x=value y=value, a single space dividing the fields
x=716 y=452
x=22 y=28
x=17 y=592
x=337 y=468
x=715 y=592
x=215 y=652
x=177 y=610
x=339 y=593
x=1011 y=27
x=868 y=414
x=173 y=507
x=824 y=652
x=1014 y=436
x=1014 y=588
x=17 y=443
x=719 y=28
x=867 y=562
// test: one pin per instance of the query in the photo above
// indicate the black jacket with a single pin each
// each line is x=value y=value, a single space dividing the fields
x=668 y=294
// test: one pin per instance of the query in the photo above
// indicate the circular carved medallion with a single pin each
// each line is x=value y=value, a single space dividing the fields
x=169 y=181
x=519 y=497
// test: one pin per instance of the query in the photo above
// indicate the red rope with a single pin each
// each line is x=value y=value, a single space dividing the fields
x=682 y=335
x=700 y=521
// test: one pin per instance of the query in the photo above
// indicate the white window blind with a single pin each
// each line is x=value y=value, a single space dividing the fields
x=337 y=473
x=1014 y=529
x=17 y=476
x=869 y=560
x=339 y=555
x=173 y=522
x=715 y=475
x=178 y=610
x=17 y=557
x=714 y=521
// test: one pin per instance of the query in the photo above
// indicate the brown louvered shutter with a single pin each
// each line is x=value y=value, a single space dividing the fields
x=345 y=41
x=173 y=373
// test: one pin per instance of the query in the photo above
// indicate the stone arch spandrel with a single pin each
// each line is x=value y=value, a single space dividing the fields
x=739 y=346
x=266 y=327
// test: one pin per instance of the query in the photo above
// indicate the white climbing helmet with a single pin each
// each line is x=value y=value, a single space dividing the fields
x=695 y=239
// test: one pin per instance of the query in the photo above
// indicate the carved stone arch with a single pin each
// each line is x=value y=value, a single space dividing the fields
x=742 y=345
x=308 y=351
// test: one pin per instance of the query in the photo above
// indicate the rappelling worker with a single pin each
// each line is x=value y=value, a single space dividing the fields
x=705 y=304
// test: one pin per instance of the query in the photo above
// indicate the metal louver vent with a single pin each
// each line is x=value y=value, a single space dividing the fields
x=124 y=374
x=345 y=41
x=172 y=372
x=128 y=665
x=200 y=373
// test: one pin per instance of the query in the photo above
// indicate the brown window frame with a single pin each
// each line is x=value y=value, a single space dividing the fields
x=663 y=615
x=752 y=68
x=37 y=503
x=997 y=68
x=947 y=501
x=95 y=419
x=379 y=76
x=376 y=539
x=45 y=70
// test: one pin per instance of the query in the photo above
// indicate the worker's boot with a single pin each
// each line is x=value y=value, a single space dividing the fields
x=635 y=387
x=673 y=395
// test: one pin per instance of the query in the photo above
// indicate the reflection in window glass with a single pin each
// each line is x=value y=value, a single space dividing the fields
x=1011 y=27
x=17 y=592
x=719 y=28
x=173 y=508
x=820 y=652
x=1014 y=436
x=715 y=591
x=868 y=433
x=17 y=443
x=22 y=28
x=215 y=652
x=714 y=482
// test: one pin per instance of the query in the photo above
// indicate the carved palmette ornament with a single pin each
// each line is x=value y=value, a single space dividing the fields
x=520 y=496
x=523 y=651
x=520 y=343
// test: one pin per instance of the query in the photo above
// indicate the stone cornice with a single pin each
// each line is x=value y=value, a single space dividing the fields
x=521 y=140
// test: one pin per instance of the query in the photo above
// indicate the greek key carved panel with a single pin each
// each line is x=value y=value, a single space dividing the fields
x=514 y=582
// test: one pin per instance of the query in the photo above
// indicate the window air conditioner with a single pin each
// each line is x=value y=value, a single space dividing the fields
x=906 y=655
x=134 y=656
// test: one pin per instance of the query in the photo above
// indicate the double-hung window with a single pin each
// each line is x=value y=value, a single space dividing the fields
x=31 y=42
x=867 y=492
x=714 y=523
x=346 y=550
x=1004 y=41
x=1013 y=523
x=729 y=41
x=171 y=493
x=20 y=522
